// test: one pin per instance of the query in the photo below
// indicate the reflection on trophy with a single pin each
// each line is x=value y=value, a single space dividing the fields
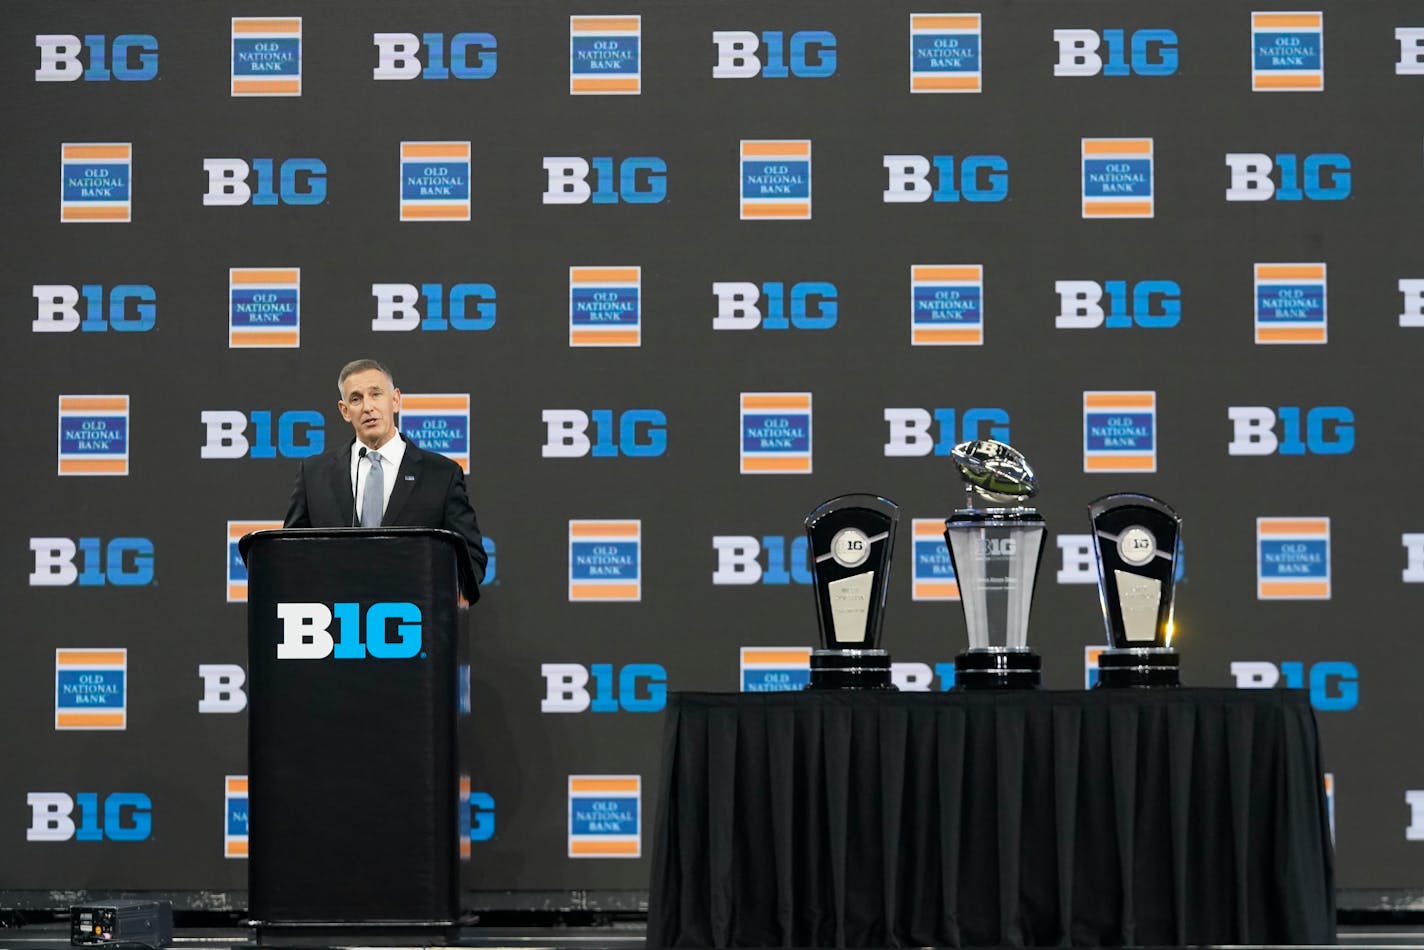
x=1135 y=540
x=996 y=551
x=851 y=540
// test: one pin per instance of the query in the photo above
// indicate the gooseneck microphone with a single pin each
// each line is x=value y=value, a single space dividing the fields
x=355 y=491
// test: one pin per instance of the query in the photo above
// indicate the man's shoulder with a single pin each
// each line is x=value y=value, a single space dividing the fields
x=434 y=462
x=328 y=459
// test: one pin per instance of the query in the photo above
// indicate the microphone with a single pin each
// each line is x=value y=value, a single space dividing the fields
x=355 y=493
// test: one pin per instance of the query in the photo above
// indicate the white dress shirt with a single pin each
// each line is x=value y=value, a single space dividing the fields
x=391 y=454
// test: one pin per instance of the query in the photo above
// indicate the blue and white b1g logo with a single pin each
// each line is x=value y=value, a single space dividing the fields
x=236 y=567
x=605 y=560
x=96 y=182
x=267 y=56
x=605 y=55
x=1287 y=52
x=947 y=305
x=1118 y=178
x=91 y=689
x=776 y=434
x=605 y=306
x=1120 y=431
x=235 y=816
x=264 y=307
x=1290 y=303
x=775 y=180
x=435 y=181
x=944 y=52
x=775 y=669
x=605 y=816
x=439 y=422
x=1292 y=558
x=933 y=577
x=93 y=435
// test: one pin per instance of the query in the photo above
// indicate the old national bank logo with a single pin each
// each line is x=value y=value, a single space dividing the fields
x=1290 y=303
x=944 y=52
x=439 y=422
x=435 y=181
x=267 y=56
x=947 y=305
x=1118 y=178
x=1090 y=665
x=236 y=568
x=775 y=669
x=605 y=306
x=235 y=816
x=1287 y=52
x=1292 y=558
x=605 y=816
x=605 y=560
x=933 y=577
x=605 y=55
x=91 y=689
x=96 y=182
x=93 y=435
x=1120 y=431
x=775 y=180
x=264 y=306
x=776 y=434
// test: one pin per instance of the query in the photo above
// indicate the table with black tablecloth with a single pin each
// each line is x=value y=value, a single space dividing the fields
x=1137 y=817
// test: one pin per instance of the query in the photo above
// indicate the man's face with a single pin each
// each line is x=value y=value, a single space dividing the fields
x=370 y=406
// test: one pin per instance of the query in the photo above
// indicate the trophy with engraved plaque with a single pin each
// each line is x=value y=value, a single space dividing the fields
x=1135 y=542
x=851 y=539
x=996 y=543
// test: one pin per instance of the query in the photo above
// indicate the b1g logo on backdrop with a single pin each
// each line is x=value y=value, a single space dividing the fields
x=743 y=559
x=236 y=567
x=1290 y=303
x=1414 y=557
x=636 y=688
x=634 y=433
x=915 y=432
x=742 y=54
x=945 y=52
x=57 y=308
x=1120 y=431
x=91 y=689
x=775 y=180
x=293 y=181
x=606 y=306
x=947 y=305
x=932 y=568
x=122 y=562
x=1414 y=798
x=435 y=181
x=1287 y=52
x=1411 y=51
x=62 y=57
x=1256 y=176
x=605 y=560
x=1413 y=312
x=399 y=306
x=739 y=305
x=1119 y=179
x=1327 y=430
x=298 y=433
x=1152 y=53
x=223 y=692
x=440 y=423
x=389 y=630
x=1334 y=684
x=235 y=816
x=93 y=435
x=264 y=307
x=96 y=182
x=469 y=55
x=605 y=816
x=1293 y=558
x=122 y=816
x=915 y=677
x=775 y=669
x=1152 y=304
x=914 y=179
x=776 y=434
x=605 y=55
x=267 y=56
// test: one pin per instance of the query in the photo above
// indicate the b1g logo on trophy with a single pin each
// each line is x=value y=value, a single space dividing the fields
x=851 y=539
x=996 y=551
x=1135 y=540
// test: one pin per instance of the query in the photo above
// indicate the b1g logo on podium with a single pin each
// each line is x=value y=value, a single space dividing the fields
x=91 y=689
x=1118 y=178
x=775 y=669
x=606 y=560
x=606 y=306
x=57 y=308
x=605 y=816
x=1287 y=52
x=1290 y=303
x=435 y=181
x=1292 y=558
x=96 y=182
x=62 y=55
x=605 y=55
x=439 y=422
x=776 y=434
x=389 y=630
x=1120 y=431
x=235 y=816
x=775 y=180
x=93 y=435
x=947 y=305
x=932 y=576
x=236 y=567
x=264 y=307
x=945 y=52
x=267 y=56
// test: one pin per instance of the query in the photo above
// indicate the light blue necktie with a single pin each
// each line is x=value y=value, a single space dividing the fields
x=371 y=502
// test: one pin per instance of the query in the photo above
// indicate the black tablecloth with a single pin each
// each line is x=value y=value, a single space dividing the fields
x=1138 y=817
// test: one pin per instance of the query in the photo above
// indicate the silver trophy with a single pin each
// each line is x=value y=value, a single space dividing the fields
x=996 y=551
x=1135 y=541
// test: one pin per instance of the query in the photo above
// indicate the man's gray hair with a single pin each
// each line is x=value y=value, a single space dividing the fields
x=360 y=366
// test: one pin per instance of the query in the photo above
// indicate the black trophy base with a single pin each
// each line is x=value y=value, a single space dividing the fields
x=998 y=668
x=1139 y=667
x=850 y=669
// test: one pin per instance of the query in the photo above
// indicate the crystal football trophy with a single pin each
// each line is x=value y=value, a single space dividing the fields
x=1135 y=542
x=851 y=538
x=996 y=552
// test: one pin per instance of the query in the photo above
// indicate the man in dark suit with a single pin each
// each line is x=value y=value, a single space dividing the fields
x=381 y=476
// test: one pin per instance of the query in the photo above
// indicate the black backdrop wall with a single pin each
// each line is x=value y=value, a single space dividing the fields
x=684 y=270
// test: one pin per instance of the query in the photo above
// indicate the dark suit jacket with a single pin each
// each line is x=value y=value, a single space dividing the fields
x=429 y=493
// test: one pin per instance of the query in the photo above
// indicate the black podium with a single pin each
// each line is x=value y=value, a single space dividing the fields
x=357 y=680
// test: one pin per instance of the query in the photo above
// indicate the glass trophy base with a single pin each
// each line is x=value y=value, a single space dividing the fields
x=997 y=668
x=850 y=669
x=1139 y=667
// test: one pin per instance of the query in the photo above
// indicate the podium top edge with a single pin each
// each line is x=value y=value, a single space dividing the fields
x=467 y=580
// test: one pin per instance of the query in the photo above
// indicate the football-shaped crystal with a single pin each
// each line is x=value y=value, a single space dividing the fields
x=995 y=471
